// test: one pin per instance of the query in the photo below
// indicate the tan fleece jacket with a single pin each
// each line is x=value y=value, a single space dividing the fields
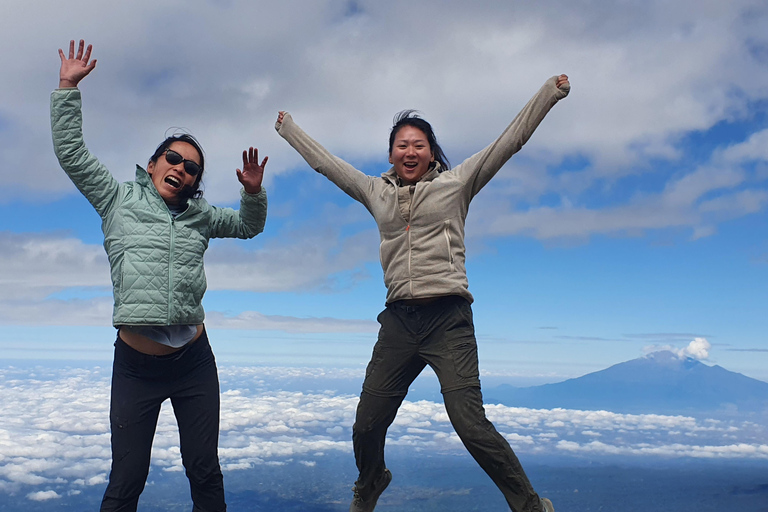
x=422 y=233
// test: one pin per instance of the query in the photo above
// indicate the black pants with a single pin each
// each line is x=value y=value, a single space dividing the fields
x=440 y=334
x=140 y=384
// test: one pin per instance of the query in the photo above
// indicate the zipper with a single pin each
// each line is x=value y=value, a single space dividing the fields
x=170 y=267
x=410 y=275
x=447 y=234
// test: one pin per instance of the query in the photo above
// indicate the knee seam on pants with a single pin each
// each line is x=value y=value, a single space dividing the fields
x=379 y=394
x=459 y=387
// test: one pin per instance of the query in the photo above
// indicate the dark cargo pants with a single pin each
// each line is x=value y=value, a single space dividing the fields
x=440 y=334
x=140 y=384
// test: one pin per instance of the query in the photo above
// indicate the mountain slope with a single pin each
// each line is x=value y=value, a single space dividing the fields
x=658 y=383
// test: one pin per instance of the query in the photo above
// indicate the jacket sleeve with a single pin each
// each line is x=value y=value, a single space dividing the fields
x=477 y=170
x=89 y=175
x=247 y=222
x=356 y=184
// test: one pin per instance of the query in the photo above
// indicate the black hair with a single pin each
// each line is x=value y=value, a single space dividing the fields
x=411 y=118
x=189 y=191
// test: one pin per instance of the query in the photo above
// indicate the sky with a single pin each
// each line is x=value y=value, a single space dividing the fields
x=633 y=220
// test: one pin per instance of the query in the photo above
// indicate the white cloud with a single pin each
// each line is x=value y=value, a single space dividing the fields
x=310 y=258
x=37 y=271
x=642 y=75
x=43 y=495
x=672 y=450
x=754 y=148
x=697 y=349
x=697 y=200
x=252 y=320
x=34 y=265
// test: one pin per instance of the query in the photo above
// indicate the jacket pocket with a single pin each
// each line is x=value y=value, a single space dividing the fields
x=447 y=233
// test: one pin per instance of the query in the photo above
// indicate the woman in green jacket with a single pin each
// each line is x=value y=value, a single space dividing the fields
x=156 y=230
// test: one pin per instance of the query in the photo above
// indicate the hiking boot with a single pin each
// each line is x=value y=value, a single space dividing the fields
x=546 y=505
x=360 y=505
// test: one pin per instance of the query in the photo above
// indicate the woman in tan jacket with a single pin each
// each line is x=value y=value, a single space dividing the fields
x=420 y=206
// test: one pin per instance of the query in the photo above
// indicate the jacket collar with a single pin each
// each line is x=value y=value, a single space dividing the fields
x=391 y=175
x=145 y=180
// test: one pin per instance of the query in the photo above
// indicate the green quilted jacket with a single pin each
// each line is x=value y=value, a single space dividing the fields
x=156 y=260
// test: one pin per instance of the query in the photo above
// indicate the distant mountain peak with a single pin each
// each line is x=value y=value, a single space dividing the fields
x=669 y=359
x=665 y=357
x=660 y=382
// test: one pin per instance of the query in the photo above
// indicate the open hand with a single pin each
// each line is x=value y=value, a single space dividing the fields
x=76 y=67
x=252 y=173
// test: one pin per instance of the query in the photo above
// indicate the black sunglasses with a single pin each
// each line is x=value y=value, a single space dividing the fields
x=173 y=158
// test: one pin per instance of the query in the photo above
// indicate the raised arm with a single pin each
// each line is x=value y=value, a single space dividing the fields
x=246 y=222
x=250 y=219
x=86 y=172
x=357 y=185
x=478 y=169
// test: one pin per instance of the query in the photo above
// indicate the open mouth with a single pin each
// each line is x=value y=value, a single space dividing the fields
x=173 y=181
x=410 y=165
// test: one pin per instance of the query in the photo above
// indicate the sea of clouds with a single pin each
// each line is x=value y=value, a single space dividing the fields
x=54 y=430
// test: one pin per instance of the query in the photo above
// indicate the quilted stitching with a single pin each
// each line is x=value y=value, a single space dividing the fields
x=152 y=283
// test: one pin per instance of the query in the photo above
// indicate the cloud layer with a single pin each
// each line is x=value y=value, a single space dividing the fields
x=54 y=433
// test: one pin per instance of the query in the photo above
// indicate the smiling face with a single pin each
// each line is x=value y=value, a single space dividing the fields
x=170 y=180
x=410 y=154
